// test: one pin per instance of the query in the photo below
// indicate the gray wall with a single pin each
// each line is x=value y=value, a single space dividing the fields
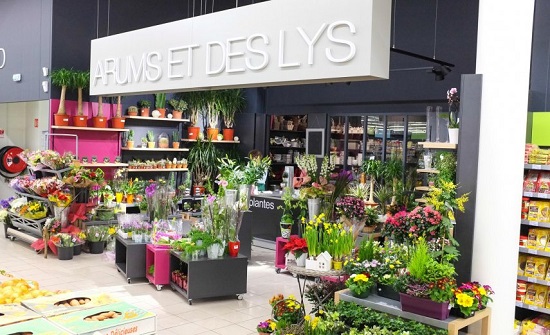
x=540 y=59
x=25 y=34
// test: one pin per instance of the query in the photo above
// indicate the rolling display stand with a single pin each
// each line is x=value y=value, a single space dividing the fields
x=130 y=258
x=159 y=258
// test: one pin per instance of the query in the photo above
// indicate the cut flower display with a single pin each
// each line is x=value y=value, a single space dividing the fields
x=296 y=245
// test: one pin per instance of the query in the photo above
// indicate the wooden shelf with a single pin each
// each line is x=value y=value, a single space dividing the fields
x=157 y=170
x=536 y=224
x=90 y=128
x=188 y=140
x=150 y=118
x=420 y=200
x=427 y=171
x=155 y=149
x=537 y=167
x=423 y=188
x=92 y=165
x=438 y=145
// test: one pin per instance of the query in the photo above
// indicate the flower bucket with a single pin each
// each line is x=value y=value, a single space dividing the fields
x=213 y=251
x=234 y=247
x=77 y=249
x=453 y=135
x=425 y=307
x=301 y=261
x=96 y=247
x=65 y=253
x=313 y=208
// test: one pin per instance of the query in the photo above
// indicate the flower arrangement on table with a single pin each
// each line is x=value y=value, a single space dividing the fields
x=60 y=198
x=296 y=246
x=285 y=311
x=314 y=184
x=63 y=240
x=162 y=234
x=40 y=159
x=45 y=186
x=360 y=284
x=81 y=177
x=97 y=233
x=312 y=234
x=471 y=297
x=266 y=327
x=337 y=240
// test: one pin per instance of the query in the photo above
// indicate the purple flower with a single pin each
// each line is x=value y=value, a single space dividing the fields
x=150 y=190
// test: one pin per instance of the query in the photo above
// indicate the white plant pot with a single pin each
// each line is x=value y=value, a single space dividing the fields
x=301 y=261
x=453 y=135
x=213 y=251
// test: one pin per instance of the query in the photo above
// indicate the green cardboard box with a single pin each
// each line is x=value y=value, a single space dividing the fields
x=13 y=313
x=60 y=303
x=129 y=320
x=37 y=326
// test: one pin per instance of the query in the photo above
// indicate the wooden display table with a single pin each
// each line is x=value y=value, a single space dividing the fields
x=452 y=324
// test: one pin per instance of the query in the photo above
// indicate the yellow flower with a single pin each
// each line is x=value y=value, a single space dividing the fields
x=482 y=290
x=272 y=325
x=361 y=277
x=464 y=300
x=392 y=266
x=307 y=317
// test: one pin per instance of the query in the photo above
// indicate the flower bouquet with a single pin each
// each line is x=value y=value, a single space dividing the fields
x=40 y=159
x=63 y=240
x=22 y=184
x=360 y=284
x=471 y=297
x=52 y=226
x=266 y=327
x=34 y=210
x=97 y=233
x=60 y=198
x=45 y=186
x=81 y=177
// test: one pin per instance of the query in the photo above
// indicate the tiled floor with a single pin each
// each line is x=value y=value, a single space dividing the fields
x=226 y=316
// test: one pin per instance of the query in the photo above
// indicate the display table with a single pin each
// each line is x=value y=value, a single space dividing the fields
x=130 y=258
x=208 y=278
x=452 y=324
x=159 y=257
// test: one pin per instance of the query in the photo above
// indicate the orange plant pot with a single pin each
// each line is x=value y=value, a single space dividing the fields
x=80 y=121
x=193 y=132
x=133 y=113
x=129 y=198
x=99 y=122
x=162 y=112
x=61 y=120
x=212 y=133
x=228 y=134
x=177 y=114
x=118 y=122
x=145 y=111
x=175 y=145
x=130 y=144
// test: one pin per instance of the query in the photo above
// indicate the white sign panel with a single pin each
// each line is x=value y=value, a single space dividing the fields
x=272 y=43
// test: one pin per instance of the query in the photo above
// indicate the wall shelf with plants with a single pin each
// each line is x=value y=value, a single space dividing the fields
x=148 y=118
x=89 y=129
x=213 y=141
x=155 y=149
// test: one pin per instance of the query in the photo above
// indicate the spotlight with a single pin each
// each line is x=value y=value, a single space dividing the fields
x=441 y=71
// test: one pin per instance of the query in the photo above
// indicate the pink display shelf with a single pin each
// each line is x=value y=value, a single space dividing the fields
x=280 y=259
x=159 y=256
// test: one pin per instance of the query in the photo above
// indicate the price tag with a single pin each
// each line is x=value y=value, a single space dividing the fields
x=533 y=223
x=533 y=308
x=532 y=251
x=536 y=167
x=529 y=194
x=531 y=280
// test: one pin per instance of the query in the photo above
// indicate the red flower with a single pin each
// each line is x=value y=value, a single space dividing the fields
x=296 y=244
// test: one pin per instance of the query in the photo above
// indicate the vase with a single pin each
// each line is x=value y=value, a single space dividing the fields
x=387 y=291
x=77 y=249
x=425 y=307
x=96 y=247
x=62 y=214
x=65 y=253
x=453 y=135
x=285 y=229
x=301 y=261
x=313 y=208
x=212 y=251
x=234 y=247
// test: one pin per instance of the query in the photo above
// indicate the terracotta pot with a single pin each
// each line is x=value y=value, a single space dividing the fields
x=145 y=111
x=129 y=198
x=228 y=134
x=118 y=122
x=175 y=145
x=369 y=229
x=177 y=114
x=99 y=122
x=132 y=113
x=193 y=132
x=198 y=190
x=61 y=120
x=162 y=112
x=184 y=166
x=212 y=133
x=80 y=121
x=130 y=144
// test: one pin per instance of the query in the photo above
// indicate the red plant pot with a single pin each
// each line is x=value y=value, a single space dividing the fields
x=118 y=122
x=228 y=134
x=234 y=247
x=99 y=122
x=61 y=120
x=193 y=132
x=80 y=121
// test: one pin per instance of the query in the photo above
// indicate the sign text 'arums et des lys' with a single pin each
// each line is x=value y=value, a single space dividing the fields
x=278 y=42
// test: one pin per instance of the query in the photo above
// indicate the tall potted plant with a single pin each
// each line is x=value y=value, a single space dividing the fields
x=160 y=104
x=196 y=105
x=145 y=106
x=454 y=104
x=179 y=106
x=373 y=169
x=213 y=114
x=81 y=80
x=62 y=78
x=203 y=157
x=118 y=121
x=230 y=102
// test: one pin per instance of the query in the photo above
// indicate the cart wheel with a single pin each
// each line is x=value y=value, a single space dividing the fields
x=118 y=270
x=240 y=297
x=294 y=275
x=190 y=302
x=129 y=280
x=277 y=270
x=159 y=287
x=12 y=238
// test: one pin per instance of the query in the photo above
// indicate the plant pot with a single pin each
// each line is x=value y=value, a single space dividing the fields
x=455 y=311
x=425 y=307
x=61 y=119
x=138 y=238
x=228 y=134
x=99 y=122
x=193 y=132
x=162 y=112
x=129 y=198
x=96 y=247
x=132 y=113
x=285 y=229
x=65 y=253
x=313 y=208
x=77 y=249
x=301 y=261
x=337 y=265
x=145 y=111
x=184 y=166
x=118 y=197
x=362 y=295
x=177 y=115
x=82 y=195
x=80 y=121
x=175 y=145
x=212 y=134
x=234 y=247
x=118 y=122
x=198 y=190
x=453 y=135
x=387 y=292
x=213 y=251
x=150 y=145
x=130 y=144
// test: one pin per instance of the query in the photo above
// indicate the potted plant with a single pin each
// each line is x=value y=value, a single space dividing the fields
x=131 y=188
x=150 y=139
x=230 y=102
x=145 y=106
x=204 y=158
x=62 y=78
x=471 y=297
x=160 y=104
x=374 y=169
x=352 y=211
x=266 y=327
x=144 y=142
x=176 y=138
x=454 y=104
x=118 y=121
x=298 y=247
x=360 y=285
x=96 y=236
x=132 y=111
x=130 y=140
x=393 y=171
x=196 y=105
x=99 y=121
x=64 y=244
x=81 y=80
x=179 y=106
x=371 y=219
x=287 y=219
x=213 y=114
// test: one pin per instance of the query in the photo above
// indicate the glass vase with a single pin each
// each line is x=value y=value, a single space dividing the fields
x=429 y=123
x=437 y=123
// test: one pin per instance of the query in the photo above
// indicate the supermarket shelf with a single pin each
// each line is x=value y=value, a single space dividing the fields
x=536 y=223
x=150 y=118
x=423 y=188
x=534 y=251
x=537 y=167
x=427 y=171
x=92 y=165
x=155 y=149
x=213 y=141
x=91 y=128
x=534 y=280
x=533 y=308
x=536 y=195
x=156 y=170
x=437 y=145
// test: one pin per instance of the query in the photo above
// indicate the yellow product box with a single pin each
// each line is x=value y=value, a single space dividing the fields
x=13 y=313
x=533 y=214
x=540 y=298
x=541 y=264
x=542 y=238
x=68 y=302
x=530 y=294
x=532 y=238
x=530 y=266
x=37 y=326
x=522 y=260
x=544 y=211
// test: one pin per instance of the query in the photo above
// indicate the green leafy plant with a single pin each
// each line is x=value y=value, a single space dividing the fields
x=144 y=103
x=62 y=78
x=178 y=104
x=203 y=157
x=445 y=163
x=130 y=135
x=393 y=171
x=160 y=100
x=288 y=206
x=150 y=136
x=374 y=169
x=81 y=80
x=176 y=137
x=151 y=270
x=230 y=102
x=97 y=233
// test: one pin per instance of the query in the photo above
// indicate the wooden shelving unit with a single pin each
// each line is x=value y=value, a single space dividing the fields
x=188 y=140
x=149 y=118
x=90 y=128
x=423 y=188
x=100 y=165
x=156 y=149
x=438 y=145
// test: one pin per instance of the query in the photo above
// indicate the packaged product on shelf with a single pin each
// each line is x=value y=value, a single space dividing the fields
x=533 y=214
x=530 y=182
x=540 y=297
x=530 y=267
x=542 y=238
x=36 y=326
x=68 y=302
x=541 y=264
x=530 y=294
x=544 y=211
x=539 y=325
x=521 y=290
x=543 y=185
x=524 y=208
x=522 y=259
